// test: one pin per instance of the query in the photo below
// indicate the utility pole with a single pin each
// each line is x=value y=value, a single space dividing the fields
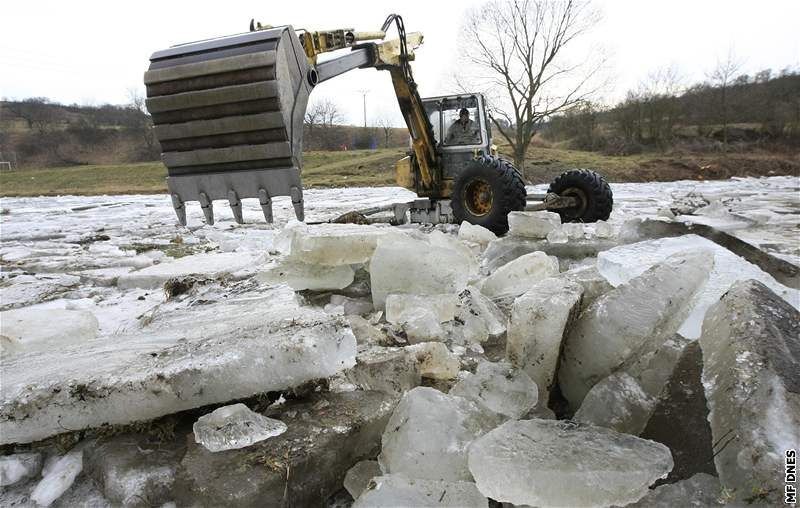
x=364 y=96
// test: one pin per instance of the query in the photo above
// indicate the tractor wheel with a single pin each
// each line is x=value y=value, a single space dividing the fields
x=592 y=191
x=486 y=191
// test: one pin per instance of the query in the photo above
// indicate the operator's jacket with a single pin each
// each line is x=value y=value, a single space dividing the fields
x=463 y=134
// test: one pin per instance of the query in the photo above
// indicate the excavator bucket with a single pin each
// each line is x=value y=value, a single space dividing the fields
x=228 y=113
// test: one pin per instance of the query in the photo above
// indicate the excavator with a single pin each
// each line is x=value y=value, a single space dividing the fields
x=228 y=113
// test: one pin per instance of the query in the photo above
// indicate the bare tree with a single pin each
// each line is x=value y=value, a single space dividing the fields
x=723 y=77
x=142 y=122
x=385 y=124
x=519 y=53
x=38 y=112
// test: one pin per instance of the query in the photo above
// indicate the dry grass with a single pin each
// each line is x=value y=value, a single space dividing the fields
x=322 y=169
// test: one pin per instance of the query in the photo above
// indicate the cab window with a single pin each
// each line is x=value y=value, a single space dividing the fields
x=460 y=121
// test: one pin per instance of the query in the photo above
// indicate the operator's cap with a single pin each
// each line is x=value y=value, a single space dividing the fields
x=462 y=111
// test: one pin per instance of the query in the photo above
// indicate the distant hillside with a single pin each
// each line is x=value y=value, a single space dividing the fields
x=36 y=132
x=739 y=113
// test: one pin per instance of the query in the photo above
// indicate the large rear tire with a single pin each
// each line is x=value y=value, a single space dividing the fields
x=486 y=191
x=594 y=196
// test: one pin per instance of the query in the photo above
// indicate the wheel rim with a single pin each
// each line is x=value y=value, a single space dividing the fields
x=575 y=212
x=478 y=197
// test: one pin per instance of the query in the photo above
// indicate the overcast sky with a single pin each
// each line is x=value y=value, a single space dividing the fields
x=92 y=52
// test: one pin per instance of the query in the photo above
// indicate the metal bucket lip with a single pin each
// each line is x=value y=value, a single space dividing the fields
x=205 y=45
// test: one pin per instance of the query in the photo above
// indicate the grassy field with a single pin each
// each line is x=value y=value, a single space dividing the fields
x=376 y=168
x=322 y=169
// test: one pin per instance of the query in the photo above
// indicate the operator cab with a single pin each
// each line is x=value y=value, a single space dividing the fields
x=458 y=144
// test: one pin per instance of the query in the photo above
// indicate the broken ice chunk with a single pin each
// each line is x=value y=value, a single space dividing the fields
x=617 y=402
x=701 y=491
x=358 y=476
x=19 y=466
x=625 y=262
x=517 y=276
x=132 y=469
x=532 y=224
x=40 y=329
x=442 y=306
x=394 y=491
x=475 y=234
x=435 y=360
x=57 y=478
x=429 y=266
x=301 y=276
x=558 y=463
x=593 y=283
x=385 y=369
x=625 y=400
x=500 y=388
x=603 y=229
x=557 y=235
x=481 y=318
x=352 y=306
x=751 y=343
x=574 y=230
x=420 y=325
x=429 y=433
x=539 y=320
x=335 y=244
x=234 y=426
x=630 y=321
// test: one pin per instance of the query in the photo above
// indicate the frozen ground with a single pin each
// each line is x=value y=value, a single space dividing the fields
x=77 y=247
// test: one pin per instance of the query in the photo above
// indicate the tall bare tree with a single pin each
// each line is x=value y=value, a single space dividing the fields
x=722 y=78
x=518 y=53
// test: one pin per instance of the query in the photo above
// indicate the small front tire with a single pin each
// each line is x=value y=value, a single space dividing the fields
x=594 y=196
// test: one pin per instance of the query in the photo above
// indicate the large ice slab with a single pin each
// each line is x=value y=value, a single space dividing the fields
x=518 y=276
x=422 y=266
x=37 y=329
x=550 y=463
x=210 y=265
x=537 y=327
x=631 y=321
x=751 y=343
x=254 y=342
x=429 y=433
x=621 y=264
x=394 y=491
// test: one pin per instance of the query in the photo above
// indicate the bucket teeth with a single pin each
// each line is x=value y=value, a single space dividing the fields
x=207 y=207
x=236 y=206
x=297 y=202
x=266 y=204
x=180 y=210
